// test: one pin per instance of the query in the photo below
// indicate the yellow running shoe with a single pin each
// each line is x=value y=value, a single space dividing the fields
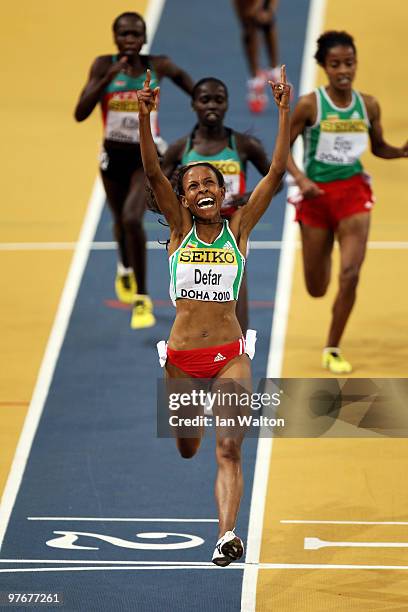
x=125 y=285
x=142 y=313
x=332 y=360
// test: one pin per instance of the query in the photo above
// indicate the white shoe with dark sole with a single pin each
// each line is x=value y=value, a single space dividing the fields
x=229 y=548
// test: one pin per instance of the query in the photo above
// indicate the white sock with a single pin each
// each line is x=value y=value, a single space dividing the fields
x=332 y=349
x=121 y=270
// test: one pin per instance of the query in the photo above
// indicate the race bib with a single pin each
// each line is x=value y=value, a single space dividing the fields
x=122 y=121
x=207 y=275
x=341 y=142
x=232 y=185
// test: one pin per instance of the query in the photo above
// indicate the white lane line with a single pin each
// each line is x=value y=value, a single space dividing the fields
x=302 y=522
x=152 y=17
x=205 y=566
x=52 y=351
x=80 y=257
x=317 y=543
x=278 y=332
x=105 y=561
x=111 y=568
x=121 y=520
x=38 y=246
x=154 y=244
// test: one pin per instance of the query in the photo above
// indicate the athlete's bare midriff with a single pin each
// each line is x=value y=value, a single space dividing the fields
x=203 y=324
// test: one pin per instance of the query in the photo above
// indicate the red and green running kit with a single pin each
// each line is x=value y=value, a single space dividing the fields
x=207 y=272
x=334 y=144
x=120 y=107
x=228 y=162
x=332 y=150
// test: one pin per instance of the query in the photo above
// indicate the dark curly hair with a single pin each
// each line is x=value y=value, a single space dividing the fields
x=183 y=169
x=177 y=183
x=129 y=15
x=208 y=80
x=332 y=38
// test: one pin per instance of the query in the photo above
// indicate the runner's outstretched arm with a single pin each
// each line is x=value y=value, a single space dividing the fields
x=101 y=74
x=303 y=115
x=379 y=147
x=167 y=68
x=162 y=189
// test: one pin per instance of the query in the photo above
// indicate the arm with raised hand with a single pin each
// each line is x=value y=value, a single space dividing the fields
x=379 y=147
x=169 y=163
x=161 y=186
x=263 y=192
x=303 y=115
x=167 y=68
x=101 y=74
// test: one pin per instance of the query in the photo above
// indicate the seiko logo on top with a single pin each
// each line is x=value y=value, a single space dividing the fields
x=343 y=125
x=226 y=166
x=206 y=256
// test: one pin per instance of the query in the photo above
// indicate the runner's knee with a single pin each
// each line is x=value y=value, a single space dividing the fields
x=248 y=31
x=316 y=287
x=132 y=221
x=349 y=277
x=228 y=449
x=188 y=448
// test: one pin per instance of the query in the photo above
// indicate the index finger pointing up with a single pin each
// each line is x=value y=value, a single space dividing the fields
x=283 y=74
x=147 y=81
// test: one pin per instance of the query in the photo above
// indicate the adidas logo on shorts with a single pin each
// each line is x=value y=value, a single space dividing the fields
x=219 y=357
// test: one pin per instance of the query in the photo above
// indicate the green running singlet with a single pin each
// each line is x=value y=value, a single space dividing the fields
x=207 y=272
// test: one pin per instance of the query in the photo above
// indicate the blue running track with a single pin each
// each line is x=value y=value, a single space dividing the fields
x=95 y=454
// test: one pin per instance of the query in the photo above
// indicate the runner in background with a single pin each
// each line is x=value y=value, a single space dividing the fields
x=113 y=82
x=335 y=198
x=229 y=151
x=258 y=21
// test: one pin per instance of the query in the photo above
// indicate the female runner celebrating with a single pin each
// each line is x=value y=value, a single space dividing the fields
x=336 y=122
x=206 y=258
x=229 y=151
x=113 y=82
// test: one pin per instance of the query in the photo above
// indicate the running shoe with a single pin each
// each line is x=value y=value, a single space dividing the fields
x=333 y=360
x=256 y=96
x=125 y=285
x=142 y=312
x=228 y=548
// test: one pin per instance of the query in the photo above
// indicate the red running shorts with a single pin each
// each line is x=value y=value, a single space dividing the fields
x=341 y=199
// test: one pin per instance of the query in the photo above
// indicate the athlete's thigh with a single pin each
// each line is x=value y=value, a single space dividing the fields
x=242 y=8
x=233 y=391
x=185 y=397
x=352 y=234
x=116 y=193
x=135 y=203
x=317 y=246
x=239 y=368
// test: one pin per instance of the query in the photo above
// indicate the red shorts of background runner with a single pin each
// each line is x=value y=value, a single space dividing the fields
x=205 y=362
x=341 y=199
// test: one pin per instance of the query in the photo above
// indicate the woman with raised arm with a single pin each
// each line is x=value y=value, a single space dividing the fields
x=226 y=149
x=207 y=258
